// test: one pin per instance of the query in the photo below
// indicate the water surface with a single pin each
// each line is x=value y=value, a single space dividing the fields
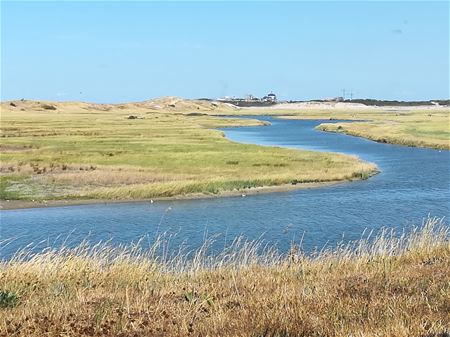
x=413 y=184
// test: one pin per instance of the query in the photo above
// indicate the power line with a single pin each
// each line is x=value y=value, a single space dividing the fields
x=344 y=92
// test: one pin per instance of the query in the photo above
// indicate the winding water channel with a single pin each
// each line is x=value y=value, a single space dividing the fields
x=413 y=184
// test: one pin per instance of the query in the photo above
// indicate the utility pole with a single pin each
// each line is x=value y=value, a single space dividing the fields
x=351 y=96
x=343 y=94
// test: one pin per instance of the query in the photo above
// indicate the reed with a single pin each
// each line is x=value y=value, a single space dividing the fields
x=388 y=284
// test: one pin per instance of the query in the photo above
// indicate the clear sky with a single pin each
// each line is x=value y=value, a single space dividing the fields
x=131 y=51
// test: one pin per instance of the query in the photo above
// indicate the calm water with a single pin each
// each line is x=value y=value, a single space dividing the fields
x=413 y=184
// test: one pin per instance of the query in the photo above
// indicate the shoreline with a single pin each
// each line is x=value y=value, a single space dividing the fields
x=26 y=204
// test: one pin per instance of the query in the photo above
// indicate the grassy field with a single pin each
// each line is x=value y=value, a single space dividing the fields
x=393 y=286
x=405 y=126
x=144 y=150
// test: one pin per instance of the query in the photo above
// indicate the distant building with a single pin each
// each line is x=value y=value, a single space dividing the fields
x=334 y=99
x=270 y=98
x=250 y=98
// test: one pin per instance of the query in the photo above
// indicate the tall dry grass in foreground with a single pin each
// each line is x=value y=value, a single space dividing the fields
x=389 y=285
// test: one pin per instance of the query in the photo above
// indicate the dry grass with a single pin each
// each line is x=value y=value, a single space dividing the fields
x=391 y=285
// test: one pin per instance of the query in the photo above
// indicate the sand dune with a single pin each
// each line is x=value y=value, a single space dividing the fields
x=166 y=104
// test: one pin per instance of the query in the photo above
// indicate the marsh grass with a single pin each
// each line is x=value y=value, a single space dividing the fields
x=81 y=152
x=404 y=134
x=414 y=127
x=409 y=126
x=388 y=284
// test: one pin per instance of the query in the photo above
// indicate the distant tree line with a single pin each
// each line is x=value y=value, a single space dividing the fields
x=373 y=102
x=370 y=102
x=397 y=103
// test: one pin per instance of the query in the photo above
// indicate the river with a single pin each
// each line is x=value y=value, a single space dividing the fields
x=414 y=183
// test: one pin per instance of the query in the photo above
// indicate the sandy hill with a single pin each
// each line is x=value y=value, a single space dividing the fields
x=163 y=104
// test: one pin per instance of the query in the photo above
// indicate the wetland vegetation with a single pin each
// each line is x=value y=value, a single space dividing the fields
x=419 y=128
x=139 y=151
x=409 y=126
x=394 y=285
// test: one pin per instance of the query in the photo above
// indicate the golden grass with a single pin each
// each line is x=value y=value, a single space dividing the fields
x=387 y=286
x=415 y=133
x=87 y=151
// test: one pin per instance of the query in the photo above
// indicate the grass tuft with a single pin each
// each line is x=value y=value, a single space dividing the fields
x=8 y=299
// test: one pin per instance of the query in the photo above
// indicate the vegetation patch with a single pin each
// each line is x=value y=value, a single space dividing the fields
x=401 y=134
x=10 y=187
x=8 y=299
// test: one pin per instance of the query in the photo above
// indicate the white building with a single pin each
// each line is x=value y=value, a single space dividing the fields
x=270 y=98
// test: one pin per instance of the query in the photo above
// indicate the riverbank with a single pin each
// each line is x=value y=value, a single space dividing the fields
x=140 y=151
x=387 y=286
x=378 y=132
x=23 y=204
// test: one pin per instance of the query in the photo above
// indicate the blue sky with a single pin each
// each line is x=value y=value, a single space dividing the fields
x=131 y=51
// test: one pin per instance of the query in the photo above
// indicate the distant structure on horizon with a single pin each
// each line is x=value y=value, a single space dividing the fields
x=270 y=98
x=251 y=100
x=335 y=99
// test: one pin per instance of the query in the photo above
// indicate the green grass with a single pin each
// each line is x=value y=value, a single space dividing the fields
x=81 y=153
x=8 y=187
x=8 y=299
